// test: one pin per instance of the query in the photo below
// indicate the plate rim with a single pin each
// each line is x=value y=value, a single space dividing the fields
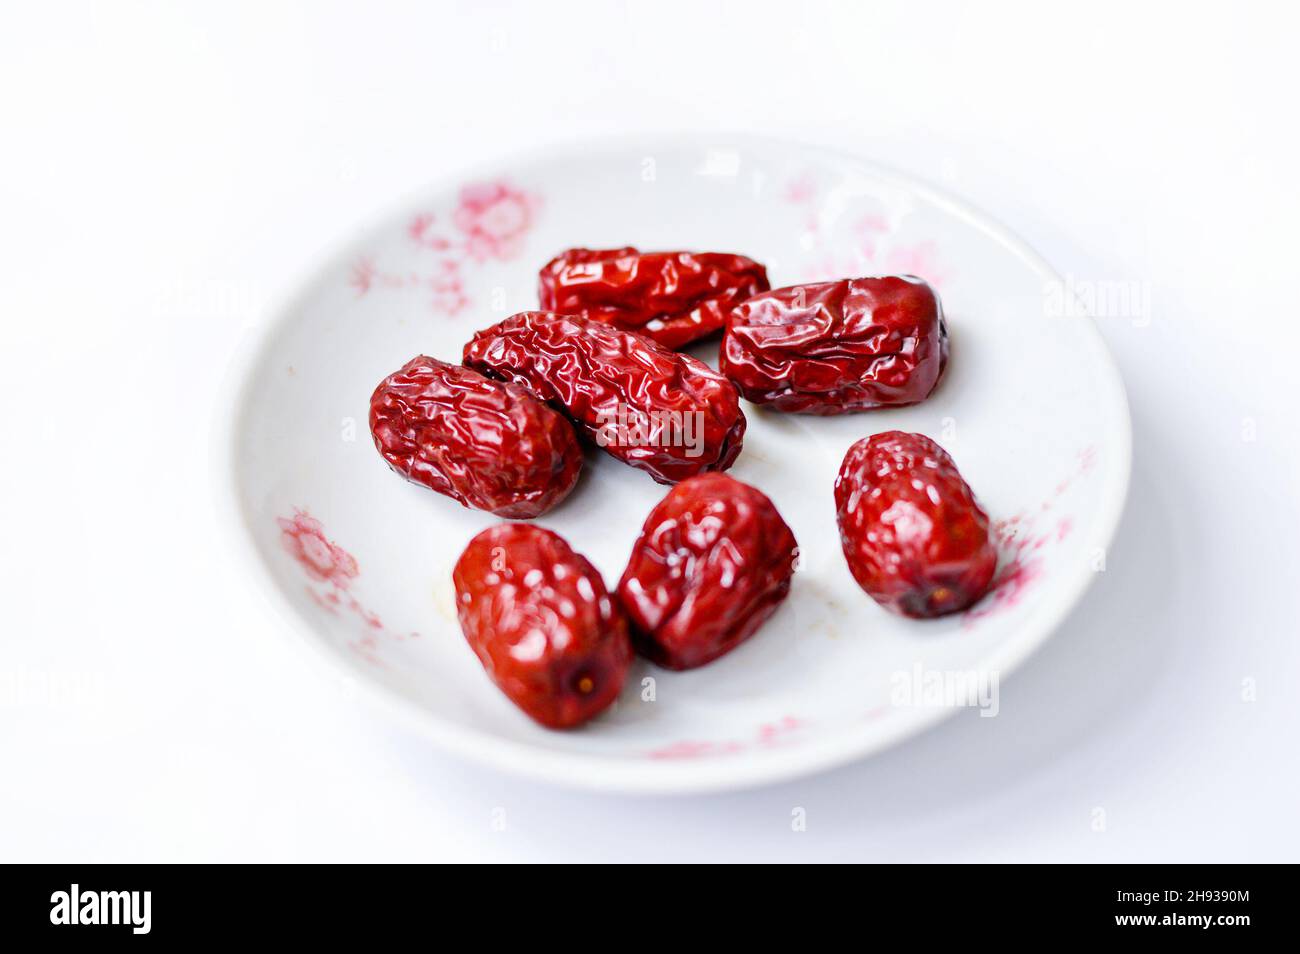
x=577 y=770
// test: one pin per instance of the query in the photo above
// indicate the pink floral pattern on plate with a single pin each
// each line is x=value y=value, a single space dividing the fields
x=303 y=538
x=490 y=222
x=872 y=247
x=768 y=735
x=331 y=571
x=1021 y=540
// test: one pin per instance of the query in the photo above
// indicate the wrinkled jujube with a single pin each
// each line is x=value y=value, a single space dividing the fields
x=915 y=538
x=488 y=444
x=837 y=347
x=712 y=563
x=663 y=412
x=541 y=622
x=673 y=297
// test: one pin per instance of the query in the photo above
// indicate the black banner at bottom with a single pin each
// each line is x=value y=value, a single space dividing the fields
x=133 y=904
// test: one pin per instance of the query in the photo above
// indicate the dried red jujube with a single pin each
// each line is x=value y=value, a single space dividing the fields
x=712 y=563
x=837 y=347
x=663 y=412
x=488 y=444
x=541 y=622
x=915 y=538
x=673 y=297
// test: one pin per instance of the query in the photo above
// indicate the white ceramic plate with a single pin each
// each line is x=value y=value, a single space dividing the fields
x=1031 y=408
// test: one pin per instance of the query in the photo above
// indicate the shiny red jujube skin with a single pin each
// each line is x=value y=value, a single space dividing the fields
x=593 y=371
x=915 y=538
x=712 y=563
x=837 y=347
x=541 y=622
x=672 y=297
x=490 y=445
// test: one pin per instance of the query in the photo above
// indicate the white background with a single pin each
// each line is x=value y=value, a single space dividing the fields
x=168 y=170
